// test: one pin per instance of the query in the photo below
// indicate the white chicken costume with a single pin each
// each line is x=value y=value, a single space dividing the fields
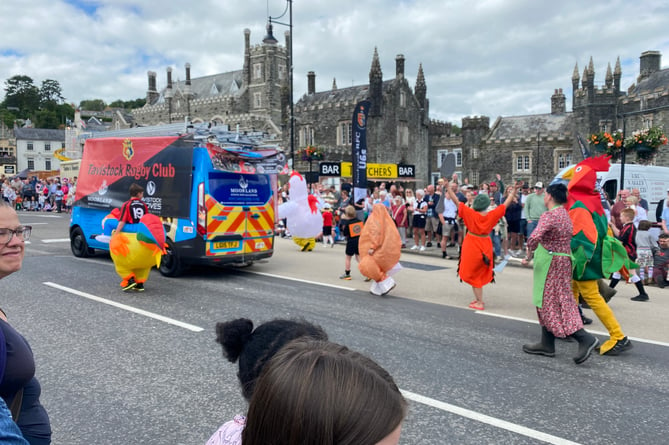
x=304 y=221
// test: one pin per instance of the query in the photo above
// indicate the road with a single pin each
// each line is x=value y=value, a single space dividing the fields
x=145 y=368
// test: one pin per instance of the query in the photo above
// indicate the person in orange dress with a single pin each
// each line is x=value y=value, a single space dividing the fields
x=476 y=257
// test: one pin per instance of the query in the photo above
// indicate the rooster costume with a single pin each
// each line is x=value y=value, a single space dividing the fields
x=304 y=220
x=595 y=254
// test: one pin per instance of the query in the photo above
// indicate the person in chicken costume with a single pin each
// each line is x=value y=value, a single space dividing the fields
x=304 y=220
x=137 y=241
x=380 y=247
x=596 y=254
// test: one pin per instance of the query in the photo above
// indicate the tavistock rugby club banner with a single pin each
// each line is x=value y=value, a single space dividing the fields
x=359 y=150
x=162 y=165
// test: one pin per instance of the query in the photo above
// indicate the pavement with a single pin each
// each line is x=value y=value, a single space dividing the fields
x=429 y=278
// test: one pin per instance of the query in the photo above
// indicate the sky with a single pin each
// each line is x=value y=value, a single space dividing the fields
x=480 y=57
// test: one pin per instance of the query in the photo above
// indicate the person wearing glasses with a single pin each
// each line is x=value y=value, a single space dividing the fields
x=19 y=388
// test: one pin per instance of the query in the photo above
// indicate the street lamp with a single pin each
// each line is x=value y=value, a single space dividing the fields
x=289 y=9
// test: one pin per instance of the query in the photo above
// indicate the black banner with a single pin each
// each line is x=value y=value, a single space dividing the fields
x=359 y=149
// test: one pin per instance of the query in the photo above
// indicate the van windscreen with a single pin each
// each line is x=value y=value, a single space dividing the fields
x=234 y=189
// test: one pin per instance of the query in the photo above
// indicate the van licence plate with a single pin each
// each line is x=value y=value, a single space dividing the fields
x=226 y=245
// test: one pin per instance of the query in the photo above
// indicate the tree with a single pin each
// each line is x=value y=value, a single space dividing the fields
x=50 y=94
x=128 y=104
x=92 y=105
x=22 y=94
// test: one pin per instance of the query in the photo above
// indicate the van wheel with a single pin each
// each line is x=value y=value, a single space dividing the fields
x=170 y=264
x=79 y=245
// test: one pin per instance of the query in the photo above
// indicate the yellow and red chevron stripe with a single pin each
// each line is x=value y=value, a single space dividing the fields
x=256 y=233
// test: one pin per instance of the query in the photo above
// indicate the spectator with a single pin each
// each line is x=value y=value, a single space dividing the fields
x=323 y=393
x=645 y=242
x=512 y=215
x=399 y=213
x=627 y=236
x=431 y=217
x=661 y=261
x=639 y=212
x=664 y=215
x=620 y=204
x=642 y=202
x=253 y=348
x=18 y=377
x=534 y=207
x=351 y=227
x=418 y=223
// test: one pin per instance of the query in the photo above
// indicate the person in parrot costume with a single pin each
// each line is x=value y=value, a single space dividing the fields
x=380 y=247
x=304 y=220
x=596 y=254
x=137 y=240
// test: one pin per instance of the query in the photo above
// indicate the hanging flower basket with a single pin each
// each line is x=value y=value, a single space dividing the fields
x=607 y=143
x=310 y=154
x=646 y=143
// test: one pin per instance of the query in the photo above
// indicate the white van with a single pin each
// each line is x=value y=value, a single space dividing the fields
x=652 y=182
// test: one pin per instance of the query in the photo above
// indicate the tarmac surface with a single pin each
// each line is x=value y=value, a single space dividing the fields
x=427 y=277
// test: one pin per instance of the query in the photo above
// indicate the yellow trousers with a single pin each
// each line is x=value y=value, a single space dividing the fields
x=589 y=290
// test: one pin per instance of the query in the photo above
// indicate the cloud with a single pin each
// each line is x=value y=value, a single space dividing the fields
x=492 y=57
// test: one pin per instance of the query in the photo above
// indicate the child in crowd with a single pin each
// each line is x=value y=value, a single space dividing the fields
x=327 y=225
x=661 y=261
x=351 y=227
x=645 y=241
x=627 y=236
x=253 y=348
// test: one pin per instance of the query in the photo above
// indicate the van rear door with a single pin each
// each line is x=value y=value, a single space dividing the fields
x=240 y=213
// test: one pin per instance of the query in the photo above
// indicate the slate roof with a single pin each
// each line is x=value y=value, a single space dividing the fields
x=352 y=94
x=659 y=79
x=39 y=134
x=216 y=84
x=514 y=127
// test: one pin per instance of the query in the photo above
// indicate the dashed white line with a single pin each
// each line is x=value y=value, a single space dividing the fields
x=125 y=307
x=492 y=421
x=56 y=240
x=283 y=277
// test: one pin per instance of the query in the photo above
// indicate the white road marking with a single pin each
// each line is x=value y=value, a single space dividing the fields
x=37 y=223
x=492 y=421
x=125 y=307
x=283 y=277
x=605 y=334
x=56 y=240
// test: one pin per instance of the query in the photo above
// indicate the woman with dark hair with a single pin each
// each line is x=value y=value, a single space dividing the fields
x=550 y=245
x=316 y=392
x=253 y=349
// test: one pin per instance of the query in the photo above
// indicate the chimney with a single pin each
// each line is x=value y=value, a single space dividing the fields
x=649 y=62
x=168 y=92
x=311 y=82
x=558 y=102
x=399 y=66
x=152 y=92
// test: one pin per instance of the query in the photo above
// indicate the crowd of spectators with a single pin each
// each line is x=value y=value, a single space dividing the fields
x=39 y=195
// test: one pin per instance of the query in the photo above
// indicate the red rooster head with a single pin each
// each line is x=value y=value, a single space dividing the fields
x=583 y=180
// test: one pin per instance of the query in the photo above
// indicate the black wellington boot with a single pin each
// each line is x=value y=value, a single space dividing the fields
x=643 y=296
x=605 y=290
x=614 y=282
x=586 y=344
x=545 y=347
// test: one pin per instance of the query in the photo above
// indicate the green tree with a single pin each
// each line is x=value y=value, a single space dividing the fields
x=46 y=119
x=22 y=94
x=92 y=105
x=128 y=104
x=8 y=117
x=50 y=94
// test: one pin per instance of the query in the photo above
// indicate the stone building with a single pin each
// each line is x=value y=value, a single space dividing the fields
x=397 y=125
x=254 y=97
x=536 y=147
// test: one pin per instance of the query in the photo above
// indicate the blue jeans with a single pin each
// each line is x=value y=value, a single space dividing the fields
x=523 y=227
x=531 y=226
x=496 y=244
